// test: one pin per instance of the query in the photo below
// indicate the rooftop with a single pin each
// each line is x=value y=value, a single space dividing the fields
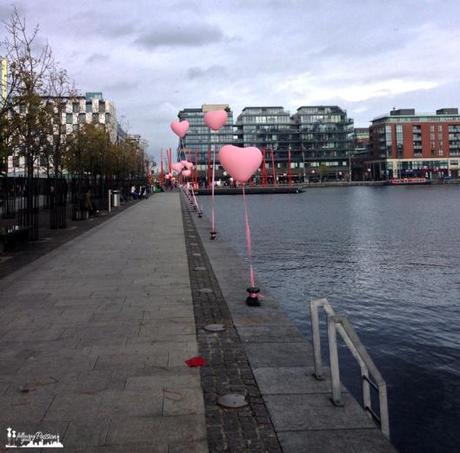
x=411 y=113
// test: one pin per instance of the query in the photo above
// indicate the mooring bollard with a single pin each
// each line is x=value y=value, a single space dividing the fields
x=213 y=235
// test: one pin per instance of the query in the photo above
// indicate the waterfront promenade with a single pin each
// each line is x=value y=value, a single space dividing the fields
x=94 y=335
x=93 y=338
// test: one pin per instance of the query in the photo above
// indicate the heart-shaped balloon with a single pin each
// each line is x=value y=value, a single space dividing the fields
x=215 y=119
x=183 y=162
x=177 y=167
x=241 y=163
x=168 y=176
x=180 y=128
x=188 y=165
x=186 y=173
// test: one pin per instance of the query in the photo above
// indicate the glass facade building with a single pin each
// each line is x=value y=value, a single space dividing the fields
x=270 y=129
x=314 y=138
x=326 y=140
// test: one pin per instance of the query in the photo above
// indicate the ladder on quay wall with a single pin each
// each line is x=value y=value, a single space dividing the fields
x=370 y=375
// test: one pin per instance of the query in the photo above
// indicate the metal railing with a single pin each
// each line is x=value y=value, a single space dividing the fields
x=340 y=324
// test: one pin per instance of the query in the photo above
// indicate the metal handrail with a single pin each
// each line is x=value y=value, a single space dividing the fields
x=314 y=305
x=341 y=325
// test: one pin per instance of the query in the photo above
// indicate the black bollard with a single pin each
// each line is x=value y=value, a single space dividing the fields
x=253 y=299
x=213 y=235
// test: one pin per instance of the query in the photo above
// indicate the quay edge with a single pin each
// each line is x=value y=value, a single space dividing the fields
x=281 y=361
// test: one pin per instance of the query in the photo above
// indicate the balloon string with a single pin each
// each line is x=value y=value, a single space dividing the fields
x=213 y=226
x=248 y=239
x=195 y=200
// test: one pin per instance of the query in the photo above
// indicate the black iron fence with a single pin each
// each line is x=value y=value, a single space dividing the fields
x=37 y=203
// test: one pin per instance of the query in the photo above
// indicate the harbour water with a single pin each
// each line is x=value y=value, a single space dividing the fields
x=389 y=259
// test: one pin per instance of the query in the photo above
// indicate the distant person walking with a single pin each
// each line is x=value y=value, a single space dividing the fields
x=88 y=204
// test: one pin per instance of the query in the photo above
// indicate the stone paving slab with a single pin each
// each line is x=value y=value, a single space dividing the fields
x=94 y=335
x=290 y=380
x=297 y=412
x=343 y=441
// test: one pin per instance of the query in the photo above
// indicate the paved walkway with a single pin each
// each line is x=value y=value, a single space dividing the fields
x=93 y=338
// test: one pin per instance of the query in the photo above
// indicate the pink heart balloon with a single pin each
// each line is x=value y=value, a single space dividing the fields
x=188 y=165
x=215 y=119
x=183 y=162
x=168 y=176
x=186 y=173
x=177 y=167
x=241 y=163
x=180 y=128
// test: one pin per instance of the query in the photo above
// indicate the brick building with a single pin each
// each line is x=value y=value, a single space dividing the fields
x=405 y=144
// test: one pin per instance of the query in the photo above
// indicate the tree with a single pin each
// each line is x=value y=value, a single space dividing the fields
x=29 y=120
x=60 y=94
x=89 y=151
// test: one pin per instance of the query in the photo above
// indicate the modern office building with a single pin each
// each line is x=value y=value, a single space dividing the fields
x=361 y=141
x=407 y=144
x=200 y=142
x=325 y=141
x=272 y=130
x=315 y=142
x=89 y=109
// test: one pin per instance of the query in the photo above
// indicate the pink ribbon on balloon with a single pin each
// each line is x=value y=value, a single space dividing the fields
x=195 y=200
x=248 y=240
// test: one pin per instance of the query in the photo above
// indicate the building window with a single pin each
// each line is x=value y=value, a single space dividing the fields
x=89 y=107
x=399 y=135
x=388 y=135
x=69 y=118
x=75 y=107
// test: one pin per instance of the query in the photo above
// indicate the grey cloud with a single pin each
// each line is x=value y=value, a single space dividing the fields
x=99 y=25
x=97 y=58
x=188 y=35
x=196 y=72
x=5 y=13
x=122 y=86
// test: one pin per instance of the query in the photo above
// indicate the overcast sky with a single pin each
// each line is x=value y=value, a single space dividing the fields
x=153 y=58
